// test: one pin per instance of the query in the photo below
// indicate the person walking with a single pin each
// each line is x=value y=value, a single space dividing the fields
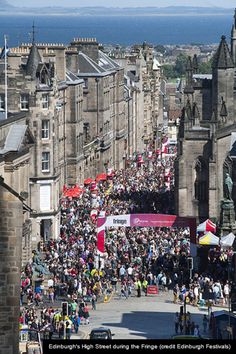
x=139 y=284
x=196 y=332
x=68 y=325
x=76 y=323
x=86 y=314
x=94 y=300
x=176 y=320
x=145 y=285
x=205 y=323
x=226 y=292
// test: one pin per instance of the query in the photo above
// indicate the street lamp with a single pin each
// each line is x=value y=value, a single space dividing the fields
x=230 y=302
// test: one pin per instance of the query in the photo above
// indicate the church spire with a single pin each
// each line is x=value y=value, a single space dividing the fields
x=33 y=34
x=34 y=57
x=223 y=111
x=195 y=64
x=222 y=58
x=233 y=38
x=189 y=76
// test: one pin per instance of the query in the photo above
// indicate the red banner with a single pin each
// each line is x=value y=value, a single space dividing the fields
x=147 y=220
x=101 y=234
x=152 y=290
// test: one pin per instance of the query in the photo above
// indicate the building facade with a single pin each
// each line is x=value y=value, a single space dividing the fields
x=78 y=112
x=206 y=147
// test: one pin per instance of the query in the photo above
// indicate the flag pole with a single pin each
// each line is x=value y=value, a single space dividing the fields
x=6 y=101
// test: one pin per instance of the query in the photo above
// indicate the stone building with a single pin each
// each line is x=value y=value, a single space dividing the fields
x=207 y=136
x=84 y=112
x=144 y=76
x=12 y=206
x=51 y=99
x=104 y=120
x=16 y=147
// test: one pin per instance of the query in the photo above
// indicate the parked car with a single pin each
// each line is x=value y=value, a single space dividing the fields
x=101 y=333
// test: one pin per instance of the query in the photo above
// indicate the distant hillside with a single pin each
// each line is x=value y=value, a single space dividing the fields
x=115 y=11
x=5 y=5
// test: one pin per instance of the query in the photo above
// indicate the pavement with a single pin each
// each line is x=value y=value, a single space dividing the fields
x=148 y=317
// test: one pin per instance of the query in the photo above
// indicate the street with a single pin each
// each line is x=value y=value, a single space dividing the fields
x=150 y=317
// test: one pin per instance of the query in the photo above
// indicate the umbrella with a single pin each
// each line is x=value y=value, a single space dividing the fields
x=207 y=225
x=227 y=240
x=209 y=239
x=88 y=181
x=101 y=177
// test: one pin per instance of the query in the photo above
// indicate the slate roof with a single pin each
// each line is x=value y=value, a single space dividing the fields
x=106 y=62
x=33 y=61
x=87 y=65
x=222 y=58
x=14 y=138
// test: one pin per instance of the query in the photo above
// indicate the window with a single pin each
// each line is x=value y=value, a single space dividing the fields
x=45 y=161
x=2 y=102
x=45 y=103
x=24 y=102
x=45 y=129
x=45 y=197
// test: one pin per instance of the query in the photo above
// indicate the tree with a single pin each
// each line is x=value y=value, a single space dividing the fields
x=168 y=71
x=180 y=65
x=205 y=68
x=160 y=48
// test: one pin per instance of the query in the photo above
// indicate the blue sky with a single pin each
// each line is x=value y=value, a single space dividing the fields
x=123 y=3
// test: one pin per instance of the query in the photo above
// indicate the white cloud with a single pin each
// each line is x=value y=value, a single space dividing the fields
x=124 y=3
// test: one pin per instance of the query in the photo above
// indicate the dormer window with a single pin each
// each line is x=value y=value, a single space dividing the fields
x=43 y=75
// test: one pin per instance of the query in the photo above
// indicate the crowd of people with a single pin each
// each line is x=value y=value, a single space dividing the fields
x=134 y=257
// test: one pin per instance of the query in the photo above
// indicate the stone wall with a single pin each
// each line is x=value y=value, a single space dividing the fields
x=11 y=221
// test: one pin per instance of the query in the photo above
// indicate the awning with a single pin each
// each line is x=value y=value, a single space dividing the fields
x=101 y=177
x=209 y=239
x=73 y=192
x=88 y=181
x=207 y=225
x=227 y=240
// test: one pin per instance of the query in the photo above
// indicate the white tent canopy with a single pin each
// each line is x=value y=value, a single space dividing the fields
x=227 y=240
x=209 y=239
x=207 y=225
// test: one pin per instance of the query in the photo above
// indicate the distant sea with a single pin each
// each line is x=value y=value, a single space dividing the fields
x=123 y=30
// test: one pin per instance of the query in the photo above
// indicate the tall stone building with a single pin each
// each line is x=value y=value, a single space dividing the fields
x=104 y=120
x=79 y=112
x=11 y=221
x=16 y=148
x=207 y=138
x=73 y=103
x=143 y=73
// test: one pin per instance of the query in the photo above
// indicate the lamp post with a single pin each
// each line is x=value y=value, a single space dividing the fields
x=229 y=319
x=230 y=293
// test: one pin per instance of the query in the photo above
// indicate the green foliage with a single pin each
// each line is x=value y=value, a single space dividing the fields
x=205 y=68
x=160 y=48
x=180 y=65
x=168 y=71
x=178 y=70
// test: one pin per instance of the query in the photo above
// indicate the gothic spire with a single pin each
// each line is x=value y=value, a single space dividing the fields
x=235 y=18
x=195 y=64
x=196 y=114
x=189 y=76
x=34 y=57
x=223 y=111
x=222 y=58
